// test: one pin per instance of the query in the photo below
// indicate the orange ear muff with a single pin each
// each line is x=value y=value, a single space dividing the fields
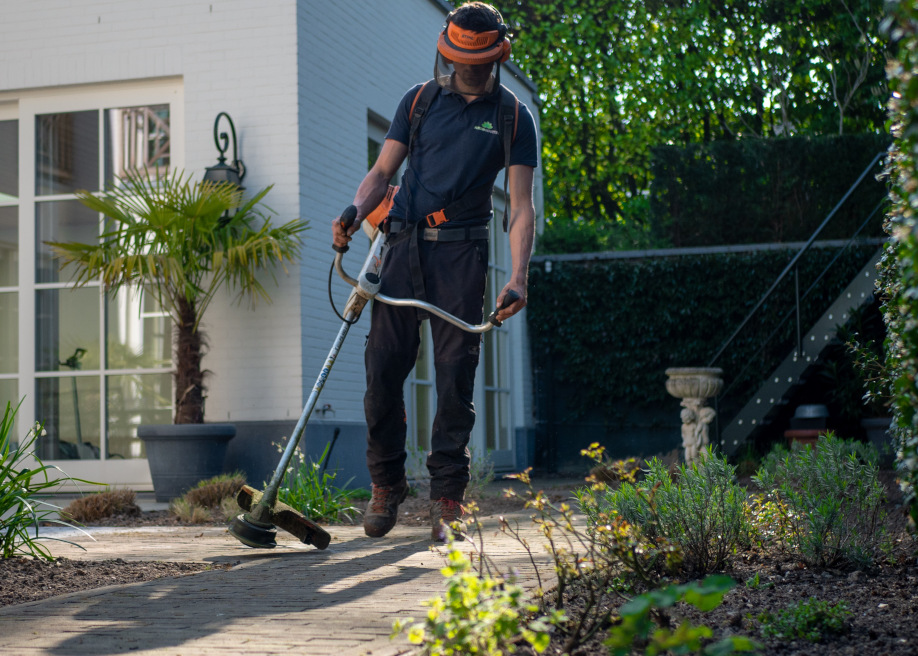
x=468 y=47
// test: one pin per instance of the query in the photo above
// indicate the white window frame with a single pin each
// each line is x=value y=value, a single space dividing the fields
x=29 y=104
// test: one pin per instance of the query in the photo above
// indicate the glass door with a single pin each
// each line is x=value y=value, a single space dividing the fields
x=89 y=365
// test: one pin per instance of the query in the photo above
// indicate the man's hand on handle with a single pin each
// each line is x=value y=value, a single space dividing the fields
x=514 y=307
x=343 y=227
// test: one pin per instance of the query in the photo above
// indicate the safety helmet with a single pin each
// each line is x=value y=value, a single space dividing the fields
x=479 y=55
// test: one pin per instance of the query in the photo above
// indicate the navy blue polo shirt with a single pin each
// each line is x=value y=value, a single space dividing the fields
x=456 y=148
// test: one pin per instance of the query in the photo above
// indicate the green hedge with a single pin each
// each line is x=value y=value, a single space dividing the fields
x=763 y=191
x=608 y=329
x=899 y=279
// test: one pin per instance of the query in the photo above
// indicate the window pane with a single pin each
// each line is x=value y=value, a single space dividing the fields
x=423 y=419
x=9 y=393
x=66 y=152
x=422 y=366
x=373 y=150
x=61 y=221
x=9 y=160
x=131 y=401
x=490 y=358
x=502 y=360
x=9 y=335
x=136 y=138
x=9 y=246
x=497 y=413
x=67 y=327
x=68 y=408
x=138 y=332
x=491 y=399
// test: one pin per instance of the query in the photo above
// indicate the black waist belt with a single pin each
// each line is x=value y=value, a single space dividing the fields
x=464 y=233
x=400 y=229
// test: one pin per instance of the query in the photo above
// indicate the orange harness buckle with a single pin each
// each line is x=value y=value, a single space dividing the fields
x=437 y=218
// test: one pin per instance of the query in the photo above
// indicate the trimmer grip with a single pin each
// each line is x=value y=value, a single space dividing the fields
x=348 y=216
x=510 y=298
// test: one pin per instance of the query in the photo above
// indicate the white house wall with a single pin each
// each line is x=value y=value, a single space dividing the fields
x=237 y=56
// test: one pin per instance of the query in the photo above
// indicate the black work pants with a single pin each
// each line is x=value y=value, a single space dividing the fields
x=454 y=280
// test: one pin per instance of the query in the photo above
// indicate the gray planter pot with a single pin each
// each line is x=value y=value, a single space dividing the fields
x=181 y=455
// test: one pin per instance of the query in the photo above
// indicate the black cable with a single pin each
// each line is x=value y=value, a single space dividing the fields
x=331 y=298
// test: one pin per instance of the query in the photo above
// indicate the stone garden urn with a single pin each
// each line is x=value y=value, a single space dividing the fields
x=694 y=386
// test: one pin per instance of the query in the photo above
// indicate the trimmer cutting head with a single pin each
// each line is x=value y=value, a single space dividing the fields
x=254 y=533
x=251 y=534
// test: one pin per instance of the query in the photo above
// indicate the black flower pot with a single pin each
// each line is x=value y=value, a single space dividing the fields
x=181 y=455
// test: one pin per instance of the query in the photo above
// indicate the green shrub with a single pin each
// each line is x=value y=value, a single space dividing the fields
x=599 y=567
x=632 y=320
x=596 y=565
x=641 y=622
x=898 y=283
x=481 y=474
x=100 y=505
x=477 y=615
x=20 y=511
x=629 y=233
x=613 y=472
x=783 y=188
x=809 y=619
x=700 y=508
x=311 y=490
x=189 y=513
x=210 y=493
x=229 y=507
x=829 y=499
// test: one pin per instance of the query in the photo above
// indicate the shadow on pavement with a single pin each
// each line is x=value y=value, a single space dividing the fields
x=171 y=612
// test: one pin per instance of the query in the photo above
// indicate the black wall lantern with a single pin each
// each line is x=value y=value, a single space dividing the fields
x=223 y=172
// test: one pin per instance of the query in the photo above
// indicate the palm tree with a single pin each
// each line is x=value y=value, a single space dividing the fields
x=179 y=241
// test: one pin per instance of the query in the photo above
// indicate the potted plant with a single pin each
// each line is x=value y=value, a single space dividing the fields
x=182 y=241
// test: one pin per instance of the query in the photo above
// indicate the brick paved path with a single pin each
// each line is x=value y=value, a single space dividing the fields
x=293 y=599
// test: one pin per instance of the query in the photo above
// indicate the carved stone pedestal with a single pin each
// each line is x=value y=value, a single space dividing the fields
x=694 y=385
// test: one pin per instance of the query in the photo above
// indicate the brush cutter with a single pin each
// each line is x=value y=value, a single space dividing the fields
x=264 y=513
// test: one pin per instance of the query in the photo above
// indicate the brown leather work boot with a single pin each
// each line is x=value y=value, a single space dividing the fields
x=382 y=511
x=443 y=514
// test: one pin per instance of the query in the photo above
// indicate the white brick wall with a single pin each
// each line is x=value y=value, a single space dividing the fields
x=237 y=56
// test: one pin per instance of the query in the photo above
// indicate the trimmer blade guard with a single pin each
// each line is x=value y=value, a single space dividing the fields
x=287 y=518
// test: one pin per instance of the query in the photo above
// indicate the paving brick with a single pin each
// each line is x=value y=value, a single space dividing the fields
x=340 y=602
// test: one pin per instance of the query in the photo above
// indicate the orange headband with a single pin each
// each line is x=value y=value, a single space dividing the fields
x=468 y=47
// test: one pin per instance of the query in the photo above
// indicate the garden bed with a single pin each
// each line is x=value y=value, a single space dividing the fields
x=882 y=599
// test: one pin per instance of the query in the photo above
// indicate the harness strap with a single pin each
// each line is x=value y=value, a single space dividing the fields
x=417 y=275
x=507 y=130
x=475 y=202
x=419 y=107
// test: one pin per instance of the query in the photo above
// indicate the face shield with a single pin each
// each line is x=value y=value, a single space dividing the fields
x=469 y=62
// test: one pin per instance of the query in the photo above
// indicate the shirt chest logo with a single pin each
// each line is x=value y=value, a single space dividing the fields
x=486 y=126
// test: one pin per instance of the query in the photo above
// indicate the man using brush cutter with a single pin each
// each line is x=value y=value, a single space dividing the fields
x=457 y=131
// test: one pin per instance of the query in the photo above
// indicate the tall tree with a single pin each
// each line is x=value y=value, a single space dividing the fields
x=617 y=77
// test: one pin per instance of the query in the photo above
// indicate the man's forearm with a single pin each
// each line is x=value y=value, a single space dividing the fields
x=522 y=234
x=370 y=193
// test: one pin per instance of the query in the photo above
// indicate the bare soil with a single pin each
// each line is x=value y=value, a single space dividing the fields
x=883 y=600
x=27 y=579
